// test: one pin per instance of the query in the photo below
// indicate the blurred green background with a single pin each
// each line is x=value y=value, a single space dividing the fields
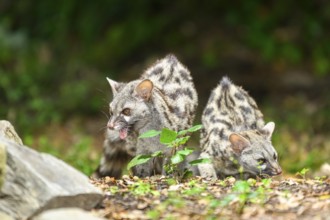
x=55 y=55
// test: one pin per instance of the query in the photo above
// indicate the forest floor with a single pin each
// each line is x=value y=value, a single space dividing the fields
x=161 y=197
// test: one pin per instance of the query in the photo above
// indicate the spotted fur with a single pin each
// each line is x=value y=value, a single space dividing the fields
x=235 y=137
x=164 y=96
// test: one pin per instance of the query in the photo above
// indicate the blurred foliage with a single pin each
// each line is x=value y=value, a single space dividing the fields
x=73 y=145
x=301 y=135
x=54 y=55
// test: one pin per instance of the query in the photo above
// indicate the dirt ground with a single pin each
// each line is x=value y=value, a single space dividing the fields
x=164 y=198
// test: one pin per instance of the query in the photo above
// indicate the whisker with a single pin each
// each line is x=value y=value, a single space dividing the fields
x=100 y=91
x=102 y=129
x=106 y=115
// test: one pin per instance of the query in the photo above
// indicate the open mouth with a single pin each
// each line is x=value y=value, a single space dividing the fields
x=123 y=133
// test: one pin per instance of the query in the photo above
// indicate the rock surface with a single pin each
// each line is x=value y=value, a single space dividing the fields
x=8 y=131
x=34 y=182
x=4 y=216
x=3 y=160
x=66 y=214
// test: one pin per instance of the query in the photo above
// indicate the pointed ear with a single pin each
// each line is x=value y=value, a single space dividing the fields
x=238 y=143
x=114 y=86
x=268 y=129
x=144 y=89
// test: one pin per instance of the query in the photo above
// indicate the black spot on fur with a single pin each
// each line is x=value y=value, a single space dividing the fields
x=188 y=93
x=208 y=111
x=254 y=125
x=224 y=113
x=157 y=71
x=215 y=152
x=215 y=130
x=239 y=96
x=245 y=110
x=168 y=118
x=229 y=126
x=162 y=78
x=177 y=80
x=219 y=102
x=232 y=101
x=174 y=95
x=221 y=134
x=171 y=72
x=249 y=151
x=212 y=119
x=177 y=111
x=184 y=75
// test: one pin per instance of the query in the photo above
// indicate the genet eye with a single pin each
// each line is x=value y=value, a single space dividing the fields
x=126 y=112
x=261 y=161
x=110 y=112
x=275 y=157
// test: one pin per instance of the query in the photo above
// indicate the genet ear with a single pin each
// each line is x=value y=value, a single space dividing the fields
x=238 y=143
x=268 y=129
x=114 y=86
x=144 y=89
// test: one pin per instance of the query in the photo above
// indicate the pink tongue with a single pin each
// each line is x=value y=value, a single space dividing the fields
x=123 y=134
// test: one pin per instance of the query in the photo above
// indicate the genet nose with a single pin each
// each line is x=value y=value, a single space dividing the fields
x=110 y=125
x=279 y=171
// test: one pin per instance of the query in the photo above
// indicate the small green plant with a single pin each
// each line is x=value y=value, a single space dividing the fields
x=243 y=192
x=173 y=201
x=320 y=179
x=173 y=140
x=113 y=189
x=141 y=188
x=302 y=173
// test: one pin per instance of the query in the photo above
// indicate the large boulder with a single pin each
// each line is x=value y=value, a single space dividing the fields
x=34 y=182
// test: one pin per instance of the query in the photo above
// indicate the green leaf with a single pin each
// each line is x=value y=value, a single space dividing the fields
x=192 y=129
x=139 y=159
x=183 y=132
x=185 y=152
x=157 y=153
x=149 y=134
x=200 y=161
x=177 y=158
x=241 y=187
x=195 y=128
x=267 y=182
x=182 y=140
x=167 y=136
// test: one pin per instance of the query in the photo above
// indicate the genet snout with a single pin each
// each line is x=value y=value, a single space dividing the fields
x=110 y=125
x=279 y=171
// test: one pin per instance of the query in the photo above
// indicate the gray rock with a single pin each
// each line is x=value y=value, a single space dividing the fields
x=35 y=182
x=66 y=214
x=4 y=216
x=8 y=131
x=3 y=159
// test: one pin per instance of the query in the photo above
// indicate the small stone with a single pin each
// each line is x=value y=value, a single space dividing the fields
x=136 y=178
x=251 y=182
x=142 y=205
x=174 y=187
x=125 y=177
x=231 y=180
x=107 y=179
